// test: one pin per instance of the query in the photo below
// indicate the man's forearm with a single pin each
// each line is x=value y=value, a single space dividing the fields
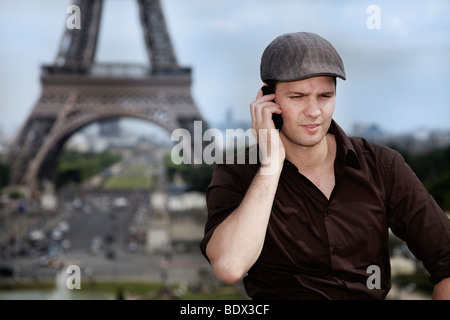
x=441 y=290
x=237 y=242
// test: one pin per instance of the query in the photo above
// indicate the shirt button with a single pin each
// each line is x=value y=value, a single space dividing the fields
x=335 y=250
x=327 y=211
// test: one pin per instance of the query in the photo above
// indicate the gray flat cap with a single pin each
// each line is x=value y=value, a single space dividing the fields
x=300 y=55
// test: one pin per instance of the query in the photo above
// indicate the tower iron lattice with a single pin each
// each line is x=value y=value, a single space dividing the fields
x=76 y=91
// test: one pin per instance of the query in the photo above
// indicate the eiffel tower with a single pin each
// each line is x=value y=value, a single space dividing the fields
x=76 y=92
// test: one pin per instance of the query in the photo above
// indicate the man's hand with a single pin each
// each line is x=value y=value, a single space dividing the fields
x=237 y=242
x=271 y=147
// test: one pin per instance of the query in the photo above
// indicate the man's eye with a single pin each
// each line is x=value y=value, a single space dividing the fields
x=296 y=97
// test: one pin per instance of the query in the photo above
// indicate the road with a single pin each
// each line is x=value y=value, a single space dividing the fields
x=107 y=240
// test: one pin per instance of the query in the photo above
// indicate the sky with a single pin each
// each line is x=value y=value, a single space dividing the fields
x=398 y=76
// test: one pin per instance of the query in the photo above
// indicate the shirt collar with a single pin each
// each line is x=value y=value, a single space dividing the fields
x=345 y=149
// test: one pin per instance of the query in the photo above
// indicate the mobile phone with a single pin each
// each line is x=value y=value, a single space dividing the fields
x=277 y=118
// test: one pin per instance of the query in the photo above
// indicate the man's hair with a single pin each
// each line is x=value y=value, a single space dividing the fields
x=272 y=84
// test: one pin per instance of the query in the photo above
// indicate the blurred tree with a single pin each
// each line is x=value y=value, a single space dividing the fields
x=197 y=176
x=433 y=169
x=172 y=169
x=75 y=167
x=440 y=189
x=4 y=174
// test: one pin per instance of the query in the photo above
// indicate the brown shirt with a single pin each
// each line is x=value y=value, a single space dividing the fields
x=317 y=248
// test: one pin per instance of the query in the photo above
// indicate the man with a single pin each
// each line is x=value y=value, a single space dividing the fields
x=318 y=226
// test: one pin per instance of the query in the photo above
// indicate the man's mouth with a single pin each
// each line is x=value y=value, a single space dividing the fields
x=312 y=128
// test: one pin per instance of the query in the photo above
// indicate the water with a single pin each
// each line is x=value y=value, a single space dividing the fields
x=61 y=292
x=50 y=295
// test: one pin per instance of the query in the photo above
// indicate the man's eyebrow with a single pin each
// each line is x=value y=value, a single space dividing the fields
x=300 y=93
x=327 y=93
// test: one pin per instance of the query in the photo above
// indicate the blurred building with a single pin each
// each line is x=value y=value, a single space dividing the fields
x=417 y=141
x=110 y=128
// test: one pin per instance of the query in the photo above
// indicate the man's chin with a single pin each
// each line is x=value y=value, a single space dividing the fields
x=306 y=142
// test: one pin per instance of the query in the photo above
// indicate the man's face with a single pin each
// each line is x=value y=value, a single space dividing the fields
x=308 y=107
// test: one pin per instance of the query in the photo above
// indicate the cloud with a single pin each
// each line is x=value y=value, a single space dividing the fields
x=121 y=38
x=223 y=40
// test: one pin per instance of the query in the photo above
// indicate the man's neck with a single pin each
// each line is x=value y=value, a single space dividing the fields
x=312 y=159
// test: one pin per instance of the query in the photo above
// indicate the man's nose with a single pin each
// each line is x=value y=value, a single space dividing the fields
x=312 y=108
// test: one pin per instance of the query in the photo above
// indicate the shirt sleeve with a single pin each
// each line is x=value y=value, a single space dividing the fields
x=416 y=218
x=228 y=186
